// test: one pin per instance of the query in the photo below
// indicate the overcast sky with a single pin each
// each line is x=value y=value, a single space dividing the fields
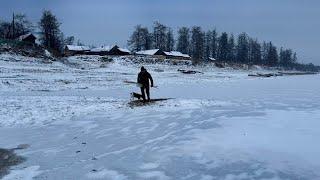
x=289 y=23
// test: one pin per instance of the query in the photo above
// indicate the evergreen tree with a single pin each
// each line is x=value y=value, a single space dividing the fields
x=254 y=52
x=286 y=57
x=183 y=43
x=243 y=48
x=223 y=47
x=272 y=56
x=214 y=43
x=208 y=49
x=264 y=53
x=294 y=59
x=231 y=49
x=197 y=44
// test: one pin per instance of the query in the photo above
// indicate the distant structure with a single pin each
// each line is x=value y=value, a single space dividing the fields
x=117 y=51
x=157 y=53
x=102 y=51
x=28 y=38
x=177 y=55
x=114 y=50
x=109 y=50
x=151 y=52
x=71 y=50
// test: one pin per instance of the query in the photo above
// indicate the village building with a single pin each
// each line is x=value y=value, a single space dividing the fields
x=151 y=52
x=177 y=55
x=109 y=50
x=117 y=51
x=71 y=50
x=102 y=51
x=164 y=55
x=28 y=38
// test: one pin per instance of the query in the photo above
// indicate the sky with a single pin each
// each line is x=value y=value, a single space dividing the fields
x=291 y=24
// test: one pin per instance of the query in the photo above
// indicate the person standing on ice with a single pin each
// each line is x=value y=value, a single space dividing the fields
x=143 y=78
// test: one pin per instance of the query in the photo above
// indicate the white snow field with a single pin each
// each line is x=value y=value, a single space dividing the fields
x=222 y=124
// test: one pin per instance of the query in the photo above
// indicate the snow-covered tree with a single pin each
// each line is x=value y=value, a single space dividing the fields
x=140 y=39
x=159 y=36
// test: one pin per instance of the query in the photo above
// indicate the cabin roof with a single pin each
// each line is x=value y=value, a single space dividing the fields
x=78 y=48
x=177 y=54
x=148 y=52
x=124 y=50
x=102 y=48
x=22 y=37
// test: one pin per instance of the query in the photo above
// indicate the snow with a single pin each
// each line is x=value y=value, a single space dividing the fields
x=148 y=52
x=102 y=49
x=27 y=173
x=78 y=48
x=222 y=124
x=47 y=53
x=177 y=54
x=107 y=175
x=124 y=50
x=212 y=59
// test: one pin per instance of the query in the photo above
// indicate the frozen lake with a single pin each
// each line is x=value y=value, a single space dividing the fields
x=221 y=124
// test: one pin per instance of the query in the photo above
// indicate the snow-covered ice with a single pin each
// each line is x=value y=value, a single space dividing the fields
x=222 y=124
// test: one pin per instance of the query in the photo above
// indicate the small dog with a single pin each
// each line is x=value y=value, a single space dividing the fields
x=136 y=95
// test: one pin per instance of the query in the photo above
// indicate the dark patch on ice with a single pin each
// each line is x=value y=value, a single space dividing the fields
x=8 y=159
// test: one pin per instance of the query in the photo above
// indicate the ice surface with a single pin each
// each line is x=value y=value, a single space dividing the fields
x=222 y=124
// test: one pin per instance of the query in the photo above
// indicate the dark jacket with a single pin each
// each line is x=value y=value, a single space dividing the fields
x=144 y=77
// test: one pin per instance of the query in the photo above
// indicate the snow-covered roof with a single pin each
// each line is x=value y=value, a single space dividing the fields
x=177 y=54
x=78 y=48
x=212 y=59
x=102 y=49
x=22 y=37
x=148 y=52
x=124 y=50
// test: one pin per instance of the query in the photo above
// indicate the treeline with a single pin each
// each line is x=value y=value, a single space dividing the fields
x=48 y=28
x=204 y=46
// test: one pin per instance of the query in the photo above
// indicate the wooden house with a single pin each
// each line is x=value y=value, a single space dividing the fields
x=71 y=50
x=28 y=38
x=117 y=51
x=177 y=55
